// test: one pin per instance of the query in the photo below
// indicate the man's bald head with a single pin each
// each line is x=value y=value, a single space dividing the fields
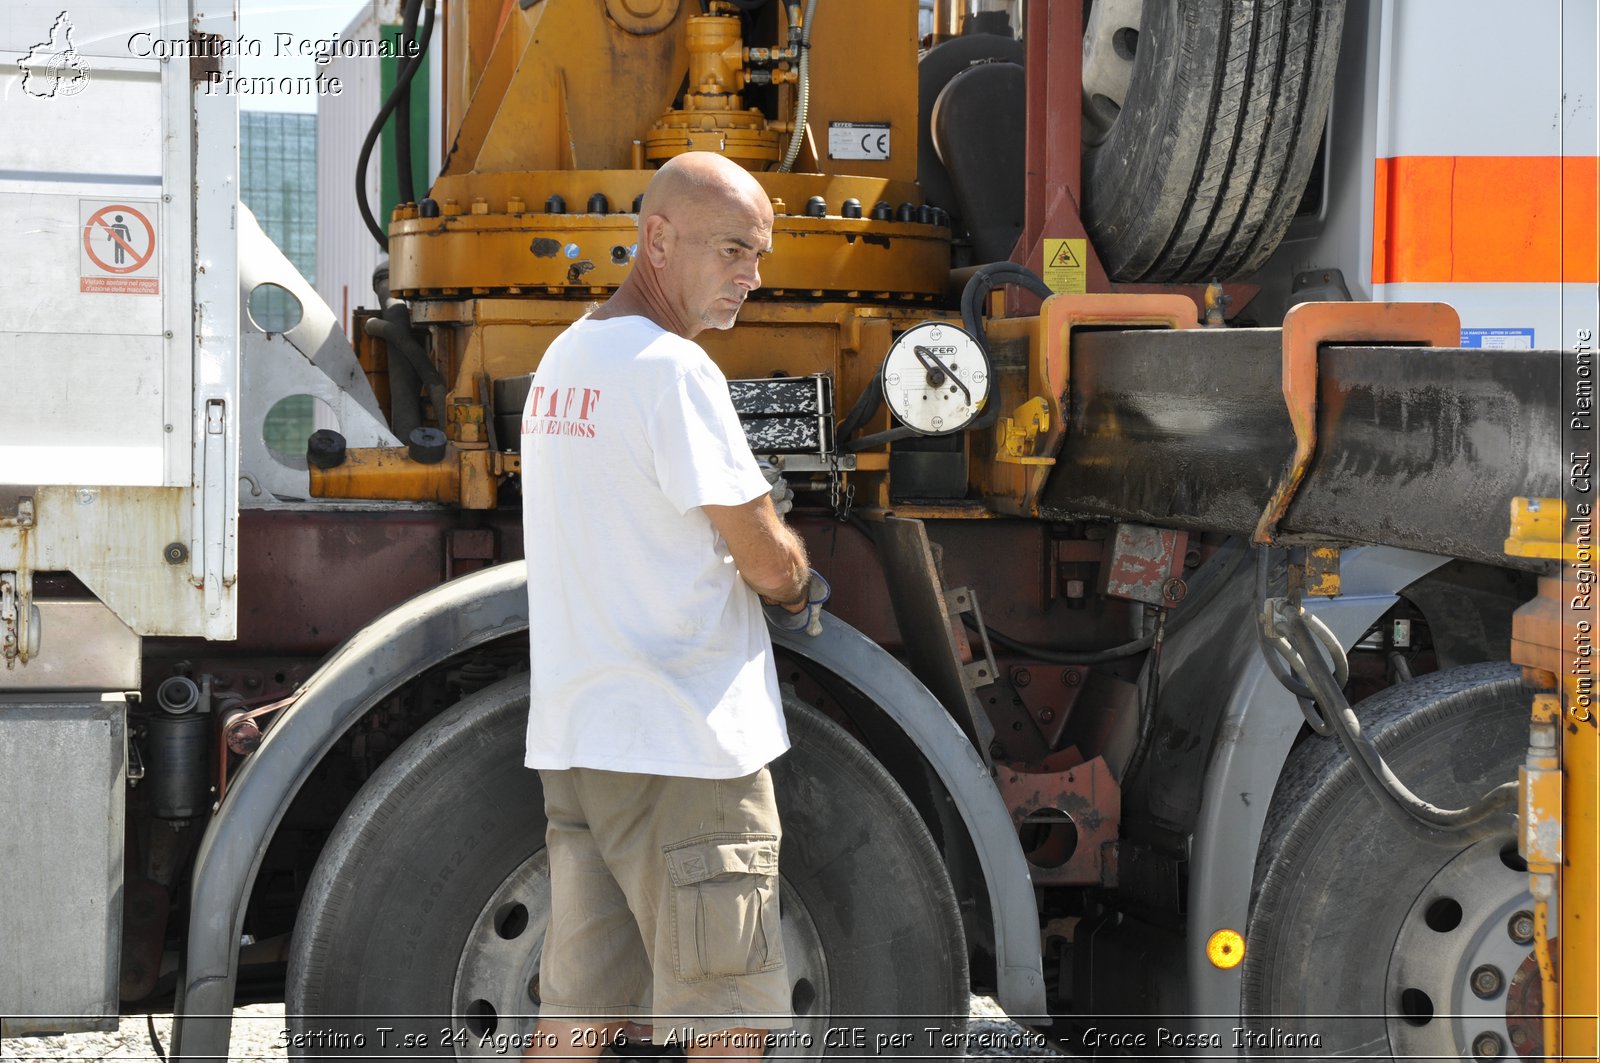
x=704 y=226
x=697 y=181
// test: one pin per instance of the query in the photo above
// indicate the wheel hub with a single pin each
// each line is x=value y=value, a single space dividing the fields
x=1462 y=980
x=495 y=998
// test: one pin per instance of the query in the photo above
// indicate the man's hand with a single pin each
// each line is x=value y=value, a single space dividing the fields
x=804 y=614
x=782 y=494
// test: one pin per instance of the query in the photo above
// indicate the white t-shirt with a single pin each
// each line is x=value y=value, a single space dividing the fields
x=649 y=653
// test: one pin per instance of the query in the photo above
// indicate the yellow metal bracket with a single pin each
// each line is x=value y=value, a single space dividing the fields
x=1552 y=638
x=1020 y=433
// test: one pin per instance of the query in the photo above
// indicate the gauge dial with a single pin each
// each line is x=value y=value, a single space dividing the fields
x=936 y=378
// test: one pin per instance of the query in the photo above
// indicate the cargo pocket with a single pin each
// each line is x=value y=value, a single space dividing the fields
x=724 y=906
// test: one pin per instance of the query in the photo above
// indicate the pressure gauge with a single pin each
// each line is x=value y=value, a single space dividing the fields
x=936 y=378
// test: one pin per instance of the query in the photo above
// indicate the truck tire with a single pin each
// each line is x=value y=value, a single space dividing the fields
x=1195 y=174
x=1368 y=939
x=419 y=933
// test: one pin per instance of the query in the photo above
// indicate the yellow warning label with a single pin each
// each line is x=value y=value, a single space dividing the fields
x=1064 y=270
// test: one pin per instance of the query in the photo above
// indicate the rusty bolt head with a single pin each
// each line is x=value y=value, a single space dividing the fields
x=1519 y=1037
x=1021 y=676
x=1487 y=981
x=1521 y=928
x=1173 y=590
x=1072 y=679
x=1488 y=1045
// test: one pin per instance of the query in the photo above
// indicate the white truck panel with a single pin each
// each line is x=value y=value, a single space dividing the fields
x=119 y=319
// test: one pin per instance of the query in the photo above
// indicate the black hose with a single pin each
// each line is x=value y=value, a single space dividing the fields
x=405 y=397
x=1427 y=821
x=1151 y=699
x=402 y=110
x=394 y=329
x=983 y=281
x=866 y=405
x=1041 y=653
x=402 y=85
x=1211 y=577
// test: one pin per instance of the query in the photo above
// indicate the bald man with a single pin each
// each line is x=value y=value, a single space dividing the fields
x=652 y=541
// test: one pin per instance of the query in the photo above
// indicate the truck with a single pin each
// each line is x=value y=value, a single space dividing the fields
x=1190 y=402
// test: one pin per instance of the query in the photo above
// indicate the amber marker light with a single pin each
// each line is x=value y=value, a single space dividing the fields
x=1225 y=949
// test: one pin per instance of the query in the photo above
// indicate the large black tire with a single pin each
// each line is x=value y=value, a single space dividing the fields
x=1200 y=172
x=1366 y=938
x=427 y=909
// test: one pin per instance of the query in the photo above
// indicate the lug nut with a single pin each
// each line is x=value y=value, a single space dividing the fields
x=1487 y=1045
x=1487 y=981
x=1521 y=928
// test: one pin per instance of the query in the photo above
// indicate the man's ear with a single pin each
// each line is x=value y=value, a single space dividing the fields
x=658 y=237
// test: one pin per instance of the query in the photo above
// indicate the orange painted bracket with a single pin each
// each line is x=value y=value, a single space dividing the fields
x=1016 y=489
x=1306 y=328
x=1063 y=313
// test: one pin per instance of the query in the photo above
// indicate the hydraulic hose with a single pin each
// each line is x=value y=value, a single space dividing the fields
x=803 y=105
x=1426 y=821
x=402 y=111
x=984 y=280
x=1051 y=656
x=402 y=85
x=394 y=329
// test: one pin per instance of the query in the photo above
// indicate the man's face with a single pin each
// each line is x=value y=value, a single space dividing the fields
x=715 y=262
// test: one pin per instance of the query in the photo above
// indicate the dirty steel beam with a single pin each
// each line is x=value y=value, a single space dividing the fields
x=1417 y=448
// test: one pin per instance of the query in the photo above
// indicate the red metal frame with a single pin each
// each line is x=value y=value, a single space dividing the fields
x=1054 y=157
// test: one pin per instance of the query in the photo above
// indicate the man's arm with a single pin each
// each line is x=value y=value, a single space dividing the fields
x=770 y=556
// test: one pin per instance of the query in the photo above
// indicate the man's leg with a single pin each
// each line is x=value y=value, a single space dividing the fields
x=595 y=973
x=698 y=862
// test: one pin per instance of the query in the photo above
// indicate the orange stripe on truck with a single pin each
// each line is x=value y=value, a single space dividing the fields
x=1477 y=218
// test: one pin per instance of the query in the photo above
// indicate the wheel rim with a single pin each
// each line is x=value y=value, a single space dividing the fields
x=1110 y=42
x=1458 y=980
x=495 y=995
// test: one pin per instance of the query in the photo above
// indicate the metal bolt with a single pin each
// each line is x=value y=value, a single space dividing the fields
x=1071 y=679
x=1174 y=590
x=1022 y=677
x=86 y=496
x=1488 y=1045
x=1487 y=981
x=1046 y=715
x=1521 y=928
x=1519 y=1037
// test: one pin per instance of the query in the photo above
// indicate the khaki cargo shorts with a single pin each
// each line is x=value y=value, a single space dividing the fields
x=664 y=903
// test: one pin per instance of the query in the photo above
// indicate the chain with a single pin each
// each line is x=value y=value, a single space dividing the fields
x=840 y=495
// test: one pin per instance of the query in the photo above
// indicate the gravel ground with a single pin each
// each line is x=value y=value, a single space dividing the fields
x=256 y=1032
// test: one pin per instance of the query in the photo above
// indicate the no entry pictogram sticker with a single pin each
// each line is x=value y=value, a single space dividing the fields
x=117 y=247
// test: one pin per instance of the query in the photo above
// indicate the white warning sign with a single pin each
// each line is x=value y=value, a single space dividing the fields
x=117 y=247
